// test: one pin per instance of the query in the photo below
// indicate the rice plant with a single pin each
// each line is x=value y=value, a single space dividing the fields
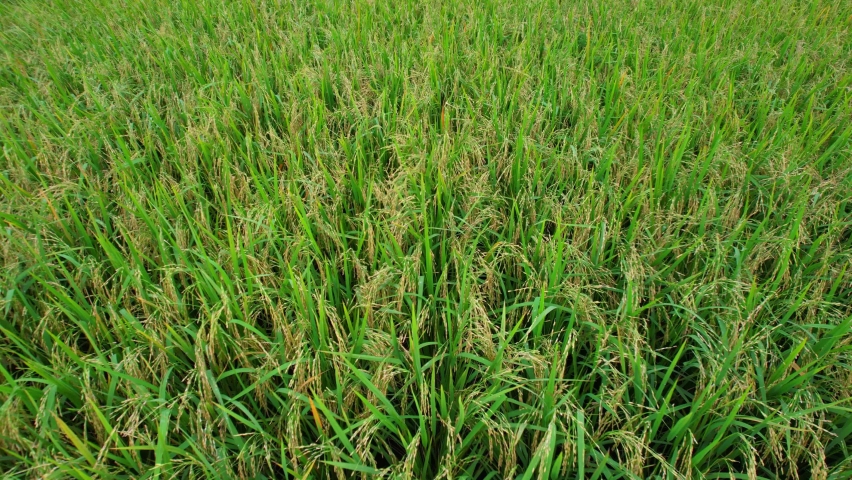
x=452 y=239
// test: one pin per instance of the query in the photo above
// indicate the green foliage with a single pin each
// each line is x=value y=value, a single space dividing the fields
x=340 y=239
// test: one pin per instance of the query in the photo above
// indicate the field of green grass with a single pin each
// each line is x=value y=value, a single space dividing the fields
x=331 y=239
